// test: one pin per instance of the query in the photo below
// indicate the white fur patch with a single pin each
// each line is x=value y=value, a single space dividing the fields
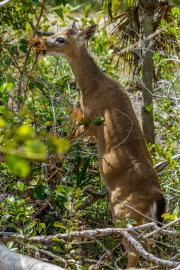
x=153 y=211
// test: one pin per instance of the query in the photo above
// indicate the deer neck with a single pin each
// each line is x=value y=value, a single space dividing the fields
x=85 y=69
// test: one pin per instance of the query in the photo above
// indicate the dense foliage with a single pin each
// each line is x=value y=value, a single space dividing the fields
x=50 y=183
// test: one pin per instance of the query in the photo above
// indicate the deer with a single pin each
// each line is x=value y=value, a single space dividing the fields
x=124 y=161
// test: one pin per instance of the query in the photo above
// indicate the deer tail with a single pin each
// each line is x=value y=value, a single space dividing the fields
x=160 y=207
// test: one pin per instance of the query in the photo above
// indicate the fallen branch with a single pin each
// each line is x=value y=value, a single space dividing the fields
x=12 y=260
x=100 y=233
x=89 y=234
x=92 y=234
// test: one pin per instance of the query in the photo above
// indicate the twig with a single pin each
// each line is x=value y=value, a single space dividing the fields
x=166 y=245
x=52 y=255
x=44 y=206
x=41 y=13
x=139 y=43
x=40 y=33
x=161 y=165
x=94 y=262
x=146 y=255
x=163 y=227
x=137 y=211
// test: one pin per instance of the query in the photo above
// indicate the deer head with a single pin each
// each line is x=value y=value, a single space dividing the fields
x=69 y=41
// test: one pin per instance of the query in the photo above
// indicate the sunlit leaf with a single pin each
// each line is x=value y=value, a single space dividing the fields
x=20 y=186
x=24 y=131
x=2 y=122
x=6 y=86
x=149 y=107
x=35 y=149
x=58 y=224
x=17 y=165
x=42 y=226
x=61 y=145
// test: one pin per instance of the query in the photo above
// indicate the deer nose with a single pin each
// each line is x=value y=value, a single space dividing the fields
x=47 y=43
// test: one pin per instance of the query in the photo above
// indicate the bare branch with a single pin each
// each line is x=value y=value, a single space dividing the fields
x=83 y=234
x=146 y=255
x=104 y=232
x=163 y=227
x=161 y=165
x=40 y=33
x=92 y=234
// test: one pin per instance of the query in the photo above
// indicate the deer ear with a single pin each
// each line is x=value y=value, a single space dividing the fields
x=74 y=27
x=87 y=33
x=72 y=31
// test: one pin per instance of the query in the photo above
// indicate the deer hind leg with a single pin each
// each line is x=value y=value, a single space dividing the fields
x=132 y=254
x=118 y=213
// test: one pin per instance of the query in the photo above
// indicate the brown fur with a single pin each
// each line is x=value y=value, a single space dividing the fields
x=124 y=161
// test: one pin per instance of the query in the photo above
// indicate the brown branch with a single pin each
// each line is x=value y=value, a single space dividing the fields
x=41 y=13
x=44 y=207
x=40 y=33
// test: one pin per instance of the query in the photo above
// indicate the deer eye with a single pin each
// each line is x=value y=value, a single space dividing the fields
x=60 y=40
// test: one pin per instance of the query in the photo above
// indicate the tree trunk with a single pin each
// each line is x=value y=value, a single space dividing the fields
x=147 y=72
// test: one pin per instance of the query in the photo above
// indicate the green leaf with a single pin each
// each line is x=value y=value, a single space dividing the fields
x=14 y=49
x=149 y=107
x=31 y=85
x=42 y=226
x=39 y=85
x=99 y=120
x=40 y=192
x=6 y=86
x=23 y=45
x=20 y=186
x=17 y=165
x=60 y=145
x=24 y=131
x=58 y=224
x=36 y=1
x=2 y=122
x=60 y=13
x=35 y=149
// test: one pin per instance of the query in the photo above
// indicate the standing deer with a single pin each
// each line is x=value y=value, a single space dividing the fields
x=124 y=161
